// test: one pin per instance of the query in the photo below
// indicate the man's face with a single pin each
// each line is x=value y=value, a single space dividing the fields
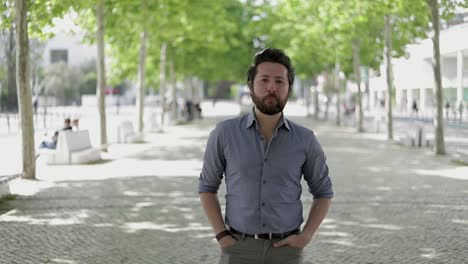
x=270 y=88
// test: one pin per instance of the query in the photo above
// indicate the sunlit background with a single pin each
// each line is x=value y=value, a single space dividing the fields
x=122 y=188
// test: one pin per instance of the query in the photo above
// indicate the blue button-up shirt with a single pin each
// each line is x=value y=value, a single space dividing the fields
x=263 y=179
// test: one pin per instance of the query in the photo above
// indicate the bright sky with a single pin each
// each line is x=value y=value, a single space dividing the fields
x=64 y=25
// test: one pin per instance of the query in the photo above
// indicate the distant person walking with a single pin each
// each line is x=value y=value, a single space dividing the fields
x=35 y=105
x=415 y=109
x=263 y=157
x=447 y=110
x=460 y=110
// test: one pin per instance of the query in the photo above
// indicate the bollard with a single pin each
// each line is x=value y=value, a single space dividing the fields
x=8 y=122
x=420 y=137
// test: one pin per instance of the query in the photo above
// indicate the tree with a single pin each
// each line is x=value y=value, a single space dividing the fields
x=195 y=46
x=404 y=22
x=39 y=14
x=140 y=100
x=438 y=118
x=62 y=82
x=88 y=78
x=101 y=73
x=389 y=75
x=10 y=101
x=24 y=90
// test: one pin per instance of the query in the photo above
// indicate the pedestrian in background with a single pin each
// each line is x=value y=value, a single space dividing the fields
x=447 y=110
x=415 y=109
x=460 y=110
x=264 y=156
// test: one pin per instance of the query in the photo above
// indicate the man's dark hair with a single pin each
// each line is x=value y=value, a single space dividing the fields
x=67 y=120
x=270 y=55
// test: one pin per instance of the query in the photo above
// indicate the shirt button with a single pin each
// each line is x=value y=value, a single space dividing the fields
x=263 y=203
x=264 y=182
x=263 y=225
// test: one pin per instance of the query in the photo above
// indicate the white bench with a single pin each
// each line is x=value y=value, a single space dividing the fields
x=416 y=137
x=73 y=147
x=126 y=133
x=5 y=184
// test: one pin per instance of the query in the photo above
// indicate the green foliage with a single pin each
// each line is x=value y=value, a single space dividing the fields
x=88 y=78
x=214 y=40
x=62 y=82
x=6 y=14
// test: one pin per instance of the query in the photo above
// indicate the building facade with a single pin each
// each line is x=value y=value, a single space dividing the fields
x=414 y=76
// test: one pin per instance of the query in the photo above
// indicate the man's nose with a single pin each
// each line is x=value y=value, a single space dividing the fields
x=271 y=87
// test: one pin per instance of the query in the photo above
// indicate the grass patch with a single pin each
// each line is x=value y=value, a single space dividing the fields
x=8 y=197
x=459 y=162
x=97 y=162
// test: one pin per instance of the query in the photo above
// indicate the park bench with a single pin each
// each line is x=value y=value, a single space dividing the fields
x=415 y=136
x=126 y=133
x=5 y=184
x=73 y=147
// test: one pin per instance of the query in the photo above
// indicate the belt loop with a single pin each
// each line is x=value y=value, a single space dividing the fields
x=243 y=236
x=271 y=236
x=256 y=236
x=282 y=235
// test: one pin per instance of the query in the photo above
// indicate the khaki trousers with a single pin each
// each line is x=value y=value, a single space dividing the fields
x=259 y=251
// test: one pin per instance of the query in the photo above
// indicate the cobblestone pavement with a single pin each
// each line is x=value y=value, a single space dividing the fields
x=392 y=205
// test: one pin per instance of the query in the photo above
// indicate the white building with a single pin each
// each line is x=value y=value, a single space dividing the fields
x=69 y=49
x=414 y=76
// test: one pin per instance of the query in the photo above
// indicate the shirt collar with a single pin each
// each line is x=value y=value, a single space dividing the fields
x=251 y=119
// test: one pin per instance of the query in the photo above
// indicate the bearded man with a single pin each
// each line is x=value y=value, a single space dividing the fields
x=263 y=157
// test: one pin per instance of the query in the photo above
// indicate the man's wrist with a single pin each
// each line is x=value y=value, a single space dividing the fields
x=222 y=234
x=307 y=235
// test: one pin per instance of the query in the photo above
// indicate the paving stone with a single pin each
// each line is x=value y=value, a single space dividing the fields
x=385 y=210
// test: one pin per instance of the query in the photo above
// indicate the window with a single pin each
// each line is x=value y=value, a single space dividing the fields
x=59 y=55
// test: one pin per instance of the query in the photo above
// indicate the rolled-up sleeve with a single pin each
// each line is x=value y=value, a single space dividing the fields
x=214 y=163
x=315 y=172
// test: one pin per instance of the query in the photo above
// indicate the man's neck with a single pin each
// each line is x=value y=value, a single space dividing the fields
x=267 y=122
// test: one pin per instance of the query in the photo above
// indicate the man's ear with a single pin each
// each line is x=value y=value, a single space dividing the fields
x=249 y=84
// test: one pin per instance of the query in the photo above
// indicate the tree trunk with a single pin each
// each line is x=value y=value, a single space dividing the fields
x=12 y=95
x=389 y=71
x=338 y=93
x=162 y=84
x=367 y=89
x=191 y=88
x=140 y=97
x=316 y=102
x=438 y=118
x=327 y=105
x=24 y=91
x=306 y=89
x=101 y=73
x=174 y=89
x=357 y=74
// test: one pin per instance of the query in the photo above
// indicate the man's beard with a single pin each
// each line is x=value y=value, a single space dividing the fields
x=269 y=109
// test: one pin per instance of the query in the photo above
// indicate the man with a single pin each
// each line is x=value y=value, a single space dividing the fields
x=263 y=156
x=67 y=124
x=75 y=124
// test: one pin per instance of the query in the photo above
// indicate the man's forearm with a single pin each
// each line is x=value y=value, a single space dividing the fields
x=212 y=209
x=318 y=211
